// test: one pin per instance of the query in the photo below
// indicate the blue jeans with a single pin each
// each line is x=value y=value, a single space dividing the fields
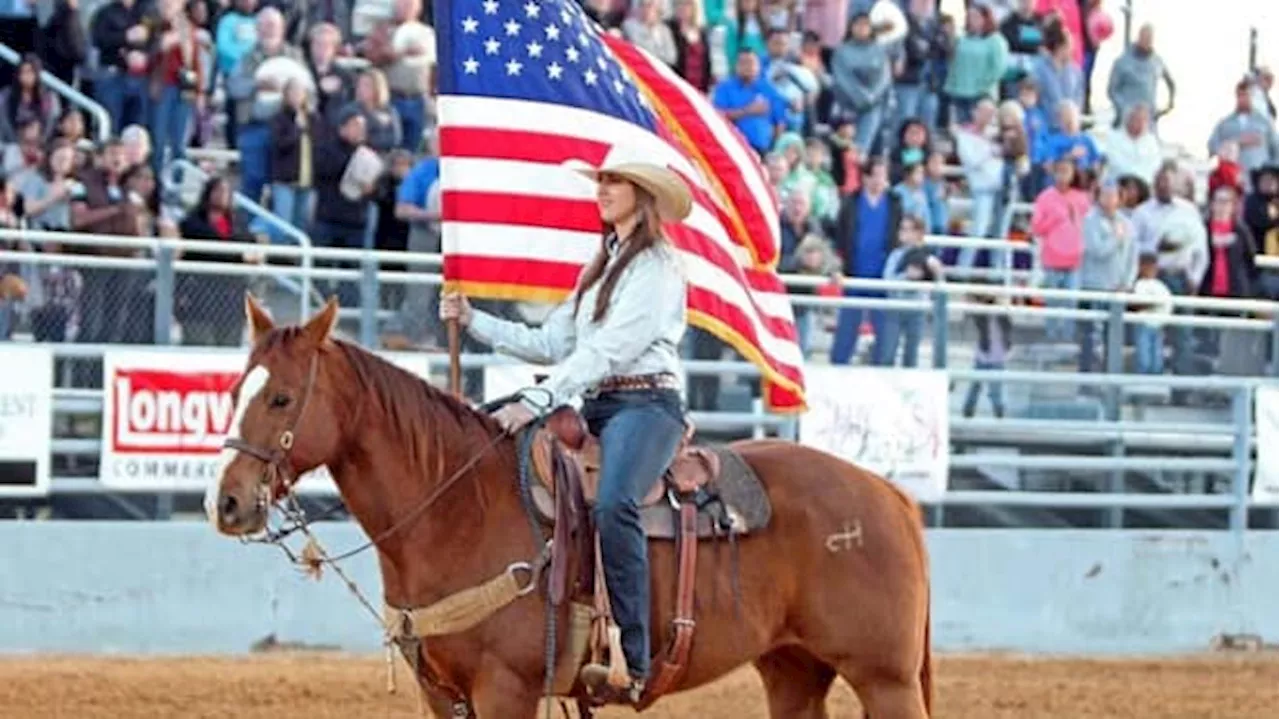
x=125 y=98
x=804 y=327
x=995 y=391
x=869 y=121
x=639 y=434
x=253 y=139
x=1183 y=360
x=1060 y=329
x=1148 y=345
x=848 y=323
x=170 y=121
x=900 y=326
x=293 y=205
x=915 y=101
x=413 y=113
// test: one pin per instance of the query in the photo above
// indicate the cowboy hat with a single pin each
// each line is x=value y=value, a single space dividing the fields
x=671 y=194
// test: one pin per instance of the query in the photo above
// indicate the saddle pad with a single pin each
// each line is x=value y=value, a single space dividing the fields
x=736 y=490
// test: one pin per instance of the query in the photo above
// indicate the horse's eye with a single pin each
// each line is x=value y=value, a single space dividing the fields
x=280 y=401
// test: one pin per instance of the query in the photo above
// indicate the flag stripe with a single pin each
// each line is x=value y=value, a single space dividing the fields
x=715 y=140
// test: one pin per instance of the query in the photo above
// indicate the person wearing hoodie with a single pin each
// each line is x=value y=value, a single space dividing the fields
x=977 y=64
x=1023 y=30
x=1136 y=75
x=1057 y=223
x=862 y=80
x=1254 y=132
x=1261 y=213
x=910 y=261
x=1110 y=259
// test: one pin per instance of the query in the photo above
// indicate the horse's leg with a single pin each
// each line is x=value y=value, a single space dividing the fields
x=796 y=682
x=891 y=697
x=500 y=693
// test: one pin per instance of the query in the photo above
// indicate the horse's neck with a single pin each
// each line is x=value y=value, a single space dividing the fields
x=449 y=544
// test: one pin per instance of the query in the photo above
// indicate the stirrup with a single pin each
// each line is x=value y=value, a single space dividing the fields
x=596 y=678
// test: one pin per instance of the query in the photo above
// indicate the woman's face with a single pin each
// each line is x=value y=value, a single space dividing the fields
x=973 y=21
x=72 y=126
x=792 y=154
x=816 y=156
x=144 y=183
x=62 y=161
x=616 y=198
x=777 y=169
x=27 y=76
x=684 y=11
x=1223 y=206
x=1064 y=171
x=746 y=7
x=324 y=46
x=914 y=136
x=860 y=29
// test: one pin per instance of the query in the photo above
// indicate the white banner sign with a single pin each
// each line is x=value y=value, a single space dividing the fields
x=26 y=419
x=891 y=421
x=1266 y=427
x=502 y=380
x=165 y=415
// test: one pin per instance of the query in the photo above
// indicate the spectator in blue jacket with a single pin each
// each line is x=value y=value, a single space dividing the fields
x=1058 y=77
x=1070 y=141
x=751 y=103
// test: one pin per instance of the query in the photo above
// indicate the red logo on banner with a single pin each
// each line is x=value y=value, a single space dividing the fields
x=159 y=412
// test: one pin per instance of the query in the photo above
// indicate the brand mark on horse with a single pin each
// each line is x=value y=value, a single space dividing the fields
x=845 y=540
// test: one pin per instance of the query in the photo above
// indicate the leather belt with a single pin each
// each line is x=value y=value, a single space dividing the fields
x=636 y=383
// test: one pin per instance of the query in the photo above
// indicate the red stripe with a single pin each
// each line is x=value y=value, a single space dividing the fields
x=760 y=236
x=529 y=273
x=501 y=144
x=713 y=305
x=522 y=210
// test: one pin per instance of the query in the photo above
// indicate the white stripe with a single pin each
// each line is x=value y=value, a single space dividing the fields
x=485 y=239
x=534 y=179
x=496 y=241
x=719 y=126
x=254 y=382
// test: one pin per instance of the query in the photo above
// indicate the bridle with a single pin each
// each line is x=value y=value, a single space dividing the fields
x=275 y=488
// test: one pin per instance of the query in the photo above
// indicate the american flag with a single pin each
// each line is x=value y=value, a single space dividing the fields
x=526 y=85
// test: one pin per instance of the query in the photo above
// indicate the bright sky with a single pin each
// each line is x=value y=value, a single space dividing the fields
x=1205 y=43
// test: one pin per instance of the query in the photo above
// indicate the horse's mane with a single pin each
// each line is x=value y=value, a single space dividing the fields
x=420 y=414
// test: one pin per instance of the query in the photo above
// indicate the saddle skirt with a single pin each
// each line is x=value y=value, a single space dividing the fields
x=729 y=495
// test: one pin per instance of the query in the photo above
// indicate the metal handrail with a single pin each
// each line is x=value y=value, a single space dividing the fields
x=102 y=126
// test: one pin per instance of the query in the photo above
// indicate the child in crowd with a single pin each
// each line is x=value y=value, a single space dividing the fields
x=1148 y=335
x=936 y=190
x=995 y=339
x=1228 y=172
x=813 y=256
x=911 y=192
x=911 y=260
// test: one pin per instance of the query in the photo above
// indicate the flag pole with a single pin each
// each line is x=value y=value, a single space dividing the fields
x=455 y=358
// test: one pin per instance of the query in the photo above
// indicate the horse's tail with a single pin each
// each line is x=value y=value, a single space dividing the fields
x=926 y=667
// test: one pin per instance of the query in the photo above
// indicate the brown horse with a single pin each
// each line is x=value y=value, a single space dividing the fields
x=836 y=585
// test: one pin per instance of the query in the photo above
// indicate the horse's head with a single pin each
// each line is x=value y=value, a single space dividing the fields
x=283 y=425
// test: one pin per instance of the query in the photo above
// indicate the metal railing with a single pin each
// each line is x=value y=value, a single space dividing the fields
x=102 y=121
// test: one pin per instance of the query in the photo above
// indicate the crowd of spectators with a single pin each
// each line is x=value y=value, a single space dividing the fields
x=872 y=118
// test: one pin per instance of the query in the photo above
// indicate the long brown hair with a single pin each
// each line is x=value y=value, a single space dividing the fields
x=646 y=234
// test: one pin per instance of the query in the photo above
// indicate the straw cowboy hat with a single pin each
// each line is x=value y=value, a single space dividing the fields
x=669 y=191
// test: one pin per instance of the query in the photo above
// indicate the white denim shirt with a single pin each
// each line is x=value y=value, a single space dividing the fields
x=640 y=334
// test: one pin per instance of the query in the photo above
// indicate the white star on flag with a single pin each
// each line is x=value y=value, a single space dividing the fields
x=602 y=63
x=469 y=24
x=492 y=46
x=513 y=28
x=535 y=50
x=589 y=77
x=470 y=66
x=572 y=54
x=565 y=17
x=514 y=66
x=617 y=86
x=553 y=32
x=554 y=71
x=531 y=9
x=490 y=7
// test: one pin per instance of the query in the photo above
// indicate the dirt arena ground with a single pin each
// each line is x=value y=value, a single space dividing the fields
x=327 y=686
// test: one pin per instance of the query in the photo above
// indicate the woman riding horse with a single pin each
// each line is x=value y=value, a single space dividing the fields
x=615 y=343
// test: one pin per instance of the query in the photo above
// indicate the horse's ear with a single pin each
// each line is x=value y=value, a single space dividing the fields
x=259 y=321
x=321 y=325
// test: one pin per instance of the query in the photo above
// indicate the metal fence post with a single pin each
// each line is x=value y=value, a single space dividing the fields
x=1242 y=416
x=940 y=330
x=164 y=294
x=1273 y=347
x=368 y=301
x=1114 y=349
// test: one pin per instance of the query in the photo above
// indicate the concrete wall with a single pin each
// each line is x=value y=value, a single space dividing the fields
x=176 y=587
